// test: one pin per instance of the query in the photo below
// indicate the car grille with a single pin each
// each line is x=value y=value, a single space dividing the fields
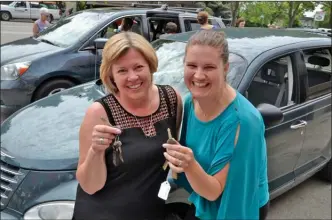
x=10 y=178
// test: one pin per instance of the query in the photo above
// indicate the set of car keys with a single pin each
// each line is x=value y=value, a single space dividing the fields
x=170 y=140
x=116 y=145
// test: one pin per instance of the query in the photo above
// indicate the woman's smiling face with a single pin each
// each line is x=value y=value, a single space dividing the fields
x=204 y=71
x=132 y=75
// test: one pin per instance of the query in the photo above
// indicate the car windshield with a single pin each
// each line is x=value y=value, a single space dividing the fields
x=70 y=30
x=170 y=68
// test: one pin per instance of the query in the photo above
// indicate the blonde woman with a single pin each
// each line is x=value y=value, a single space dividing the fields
x=122 y=181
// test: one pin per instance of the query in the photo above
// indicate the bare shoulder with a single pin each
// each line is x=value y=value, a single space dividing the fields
x=93 y=114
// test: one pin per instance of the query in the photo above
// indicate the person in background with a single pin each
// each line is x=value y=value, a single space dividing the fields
x=120 y=167
x=221 y=158
x=127 y=24
x=202 y=19
x=171 y=28
x=42 y=23
x=240 y=23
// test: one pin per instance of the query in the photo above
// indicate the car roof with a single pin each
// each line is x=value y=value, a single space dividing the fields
x=134 y=10
x=250 y=42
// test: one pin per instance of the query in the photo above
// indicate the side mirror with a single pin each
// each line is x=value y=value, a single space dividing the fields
x=99 y=43
x=271 y=114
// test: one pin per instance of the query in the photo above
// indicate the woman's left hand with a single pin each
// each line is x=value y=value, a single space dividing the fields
x=179 y=157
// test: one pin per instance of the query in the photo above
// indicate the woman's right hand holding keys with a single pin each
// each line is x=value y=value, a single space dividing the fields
x=103 y=136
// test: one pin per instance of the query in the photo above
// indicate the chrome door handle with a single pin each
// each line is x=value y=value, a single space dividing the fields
x=299 y=125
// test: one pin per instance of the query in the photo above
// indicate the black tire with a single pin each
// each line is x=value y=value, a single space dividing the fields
x=52 y=87
x=326 y=172
x=5 y=16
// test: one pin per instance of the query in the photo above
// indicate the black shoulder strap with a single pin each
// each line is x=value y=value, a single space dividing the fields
x=107 y=109
x=167 y=98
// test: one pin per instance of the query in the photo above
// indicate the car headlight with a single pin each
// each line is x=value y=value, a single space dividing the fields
x=14 y=70
x=51 y=210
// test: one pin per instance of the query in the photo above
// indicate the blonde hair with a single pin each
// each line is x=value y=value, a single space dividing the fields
x=116 y=47
x=215 y=39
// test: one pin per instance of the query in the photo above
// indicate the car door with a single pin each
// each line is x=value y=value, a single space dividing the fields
x=34 y=10
x=316 y=68
x=276 y=83
x=21 y=10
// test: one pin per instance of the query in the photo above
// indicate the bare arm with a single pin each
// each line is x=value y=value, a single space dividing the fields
x=181 y=159
x=35 y=30
x=179 y=115
x=91 y=172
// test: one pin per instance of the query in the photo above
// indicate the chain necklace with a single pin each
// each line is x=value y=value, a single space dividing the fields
x=150 y=127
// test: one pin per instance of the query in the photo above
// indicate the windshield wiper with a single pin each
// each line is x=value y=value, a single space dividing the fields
x=47 y=41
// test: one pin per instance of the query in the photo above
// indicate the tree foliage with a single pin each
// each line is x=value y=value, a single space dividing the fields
x=286 y=13
x=327 y=8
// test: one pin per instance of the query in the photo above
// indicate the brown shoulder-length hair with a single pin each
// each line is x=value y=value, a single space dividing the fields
x=202 y=17
x=116 y=47
x=238 y=21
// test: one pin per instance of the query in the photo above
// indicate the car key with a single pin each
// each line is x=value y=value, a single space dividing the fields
x=116 y=145
x=170 y=140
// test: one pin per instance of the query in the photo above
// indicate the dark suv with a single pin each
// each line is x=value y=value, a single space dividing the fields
x=64 y=54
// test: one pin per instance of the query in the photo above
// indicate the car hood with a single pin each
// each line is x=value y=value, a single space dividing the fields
x=26 y=49
x=44 y=134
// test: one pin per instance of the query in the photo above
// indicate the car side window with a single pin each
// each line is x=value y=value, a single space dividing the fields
x=273 y=84
x=192 y=24
x=21 y=5
x=157 y=26
x=318 y=65
x=114 y=27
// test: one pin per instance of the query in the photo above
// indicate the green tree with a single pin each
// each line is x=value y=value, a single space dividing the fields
x=216 y=8
x=263 y=13
x=327 y=8
x=296 y=9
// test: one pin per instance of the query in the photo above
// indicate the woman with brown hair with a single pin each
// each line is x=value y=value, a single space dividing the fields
x=203 y=20
x=221 y=157
x=120 y=168
x=240 y=23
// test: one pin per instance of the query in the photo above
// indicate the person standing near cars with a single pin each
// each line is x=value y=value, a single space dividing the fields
x=221 y=157
x=120 y=168
x=203 y=20
x=42 y=23
x=171 y=28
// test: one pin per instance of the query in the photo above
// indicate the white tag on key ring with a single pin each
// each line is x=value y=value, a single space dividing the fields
x=164 y=190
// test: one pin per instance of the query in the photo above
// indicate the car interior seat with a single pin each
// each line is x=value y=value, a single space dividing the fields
x=317 y=75
x=273 y=88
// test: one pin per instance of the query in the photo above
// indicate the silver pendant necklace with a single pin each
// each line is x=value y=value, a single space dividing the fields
x=150 y=126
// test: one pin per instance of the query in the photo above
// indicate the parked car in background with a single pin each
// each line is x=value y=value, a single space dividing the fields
x=63 y=55
x=28 y=10
x=280 y=72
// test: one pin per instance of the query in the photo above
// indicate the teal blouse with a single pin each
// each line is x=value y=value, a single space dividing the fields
x=212 y=142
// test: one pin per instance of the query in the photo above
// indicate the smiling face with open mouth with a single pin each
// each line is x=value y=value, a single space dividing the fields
x=132 y=75
x=204 y=71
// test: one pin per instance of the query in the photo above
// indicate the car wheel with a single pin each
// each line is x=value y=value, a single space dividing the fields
x=5 y=16
x=326 y=172
x=52 y=87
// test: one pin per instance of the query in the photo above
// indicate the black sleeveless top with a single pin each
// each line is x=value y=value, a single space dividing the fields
x=131 y=188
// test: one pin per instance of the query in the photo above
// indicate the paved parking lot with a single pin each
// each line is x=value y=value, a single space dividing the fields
x=309 y=200
x=11 y=31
